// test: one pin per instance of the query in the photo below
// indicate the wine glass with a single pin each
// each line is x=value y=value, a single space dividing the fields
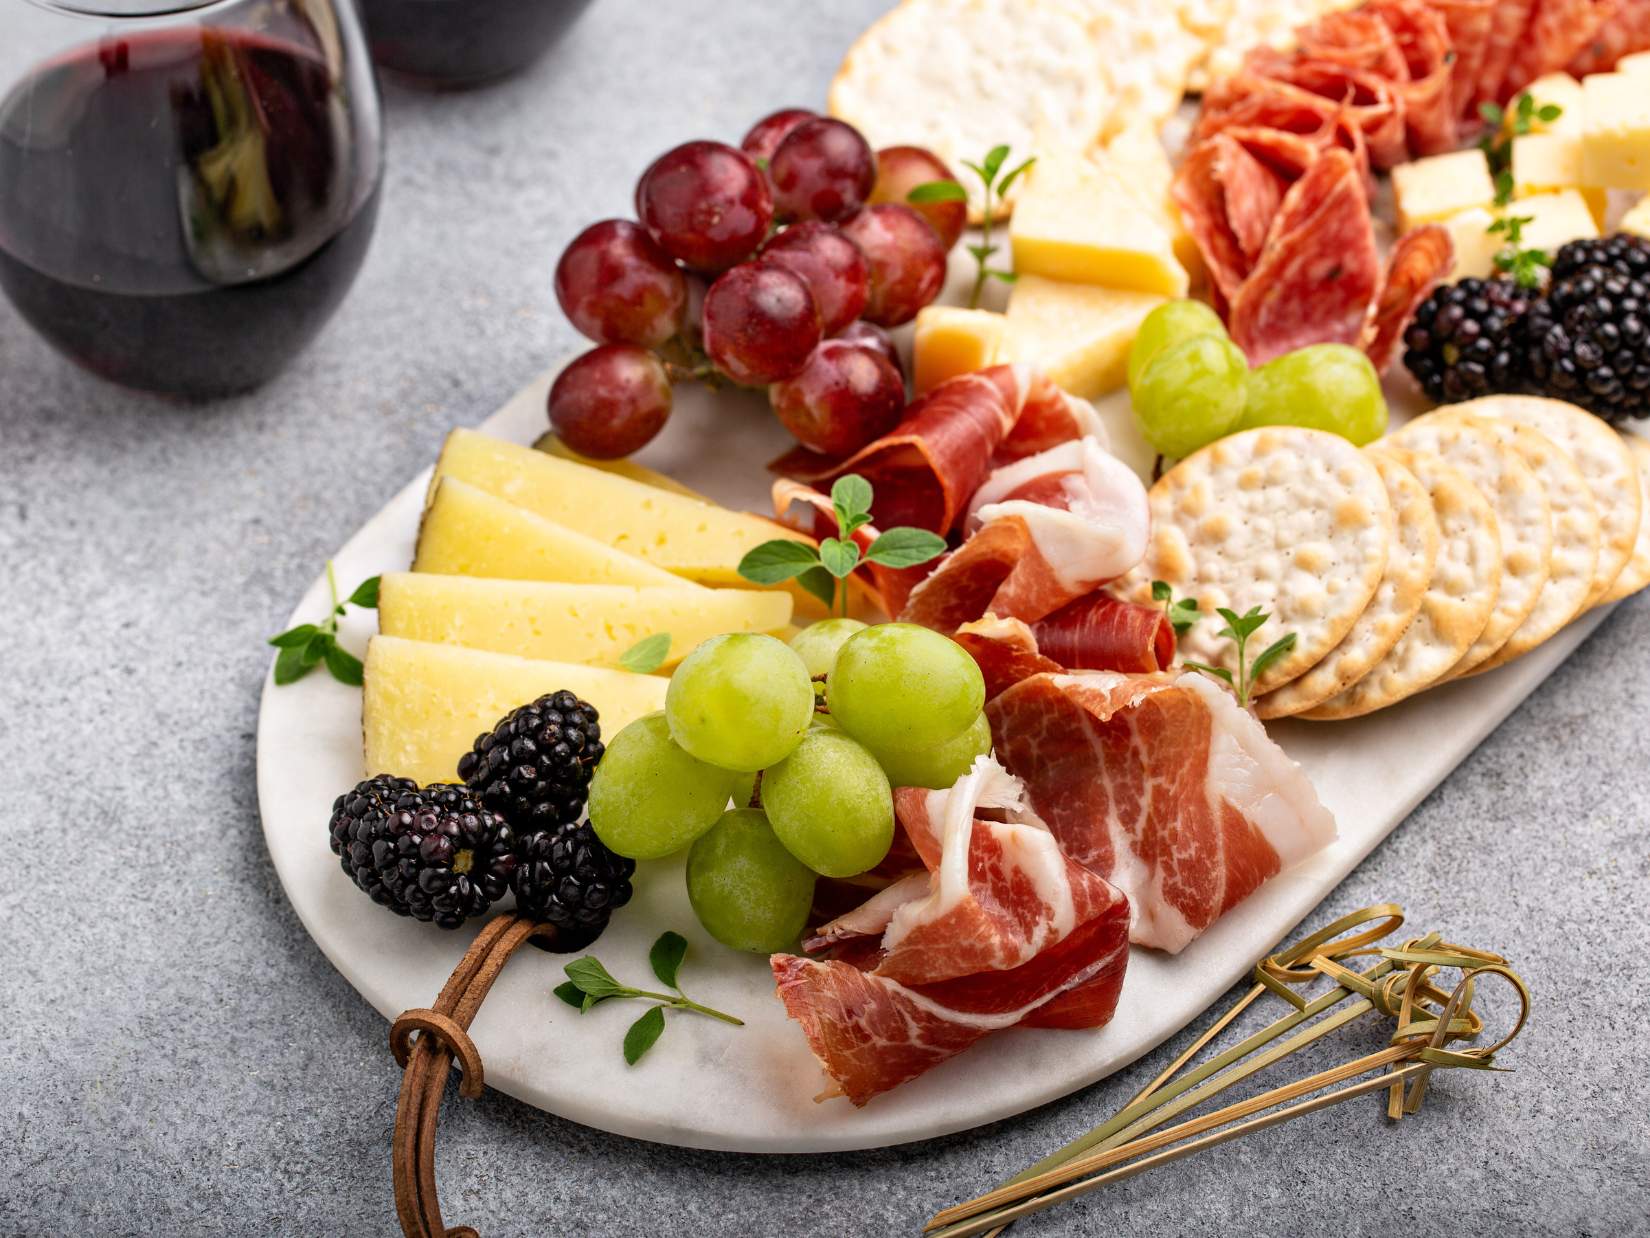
x=453 y=44
x=187 y=187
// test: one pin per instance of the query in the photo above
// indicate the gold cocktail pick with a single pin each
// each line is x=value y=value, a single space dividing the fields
x=1399 y=986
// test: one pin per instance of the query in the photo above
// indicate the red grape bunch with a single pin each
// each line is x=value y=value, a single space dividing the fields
x=780 y=264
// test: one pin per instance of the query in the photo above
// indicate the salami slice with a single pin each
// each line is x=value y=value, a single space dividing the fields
x=1320 y=273
x=1227 y=199
x=1626 y=32
x=1468 y=23
x=1272 y=105
x=1373 y=102
x=1419 y=260
x=1422 y=36
x=1355 y=39
x=1557 y=33
x=1507 y=27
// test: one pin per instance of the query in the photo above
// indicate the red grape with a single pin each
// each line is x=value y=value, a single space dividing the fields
x=611 y=401
x=845 y=396
x=873 y=336
x=830 y=264
x=617 y=287
x=822 y=170
x=760 y=323
x=706 y=204
x=906 y=257
x=900 y=169
x=767 y=133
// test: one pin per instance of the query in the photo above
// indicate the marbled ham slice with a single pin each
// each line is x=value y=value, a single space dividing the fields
x=1004 y=930
x=1043 y=531
x=1420 y=259
x=1164 y=786
x=1097 y=632
x=927 y=468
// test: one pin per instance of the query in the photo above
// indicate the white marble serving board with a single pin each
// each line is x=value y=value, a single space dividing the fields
x=751 y=1089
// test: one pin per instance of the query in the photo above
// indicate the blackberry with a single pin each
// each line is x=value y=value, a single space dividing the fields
x=434 y=854
x=1588 y=342
x=1463 y=341
x=568 y=877
x=1623 y=253
x=534 y=767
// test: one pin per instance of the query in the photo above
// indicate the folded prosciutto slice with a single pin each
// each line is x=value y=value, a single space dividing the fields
x=1162 y=785
x=926 y=469
x=1097 y=632
x=1042 y=532
x=1003 y=930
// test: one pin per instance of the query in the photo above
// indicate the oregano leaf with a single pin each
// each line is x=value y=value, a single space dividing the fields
x=643 y=1033
x=290 y=665
x=937 y=191
x=776 y=561
x=838 y=556
x=646 y=655
x=366 y=594
x=569 y=993
x=1271 y=654
x=817 y=581
x=592 y=978
x=905 y=547
x=345 y=666
x=993 y=163
x=667 y=955
x=294 y=637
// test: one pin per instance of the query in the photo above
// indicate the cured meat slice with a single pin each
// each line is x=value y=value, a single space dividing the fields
x=1370 y=101
x=1468 y=23
x=1557 y=33
x=925 y=470
x=1006 y=650
x=1626 y=32
x=1164 y=786
x=1045 y=530
x=1320 y=273
x=1359 y=38
x=809 y=512
x=1419 y=261
x=1104 y=633
x=1423 y=40
x=1507 y=25
x=1007 y=930
x=1227 y=200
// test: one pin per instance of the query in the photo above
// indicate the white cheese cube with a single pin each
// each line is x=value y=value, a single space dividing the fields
x=1615 y=151
x=1475 y=245
x=1078 y=334
x=1554 y=219
x=1558 y=90
x=1637 y=220
x=1637 y=63
x=1436 y=188
x=1549 y=162
x=950 y=340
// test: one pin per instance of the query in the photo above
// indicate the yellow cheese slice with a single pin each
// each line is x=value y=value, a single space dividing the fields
x=422 y=705
x=682 y=535
x=1637 y=220
x=468 y=532
x=1558 y=90
x=589 y=624
x=949 y=340
x=551 y=445
x=1433 y=189
x=1615 y=151
x=1138 y=157
x=1077 y=221
x=1078 y=334
x=1551 y=162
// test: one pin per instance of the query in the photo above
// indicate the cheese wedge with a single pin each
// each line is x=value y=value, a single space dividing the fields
x=1615 y=151
x=679 y=534
x=1637 y=220
x=589 y=624
x=1558 y=90
x=949 y=341
x=1078 y=334
x=551 y=445
x=1551 y=162
x=1432 y=189
x=1077 y=221
x=1475 y=245
x=468 y=532
x=1137 y=155
x=422 y=705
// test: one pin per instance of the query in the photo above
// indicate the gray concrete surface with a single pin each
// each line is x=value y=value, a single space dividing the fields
x=179 y=1058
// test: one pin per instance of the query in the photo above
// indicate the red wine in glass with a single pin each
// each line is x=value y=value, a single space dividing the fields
x=182 y=208
x=452 y=44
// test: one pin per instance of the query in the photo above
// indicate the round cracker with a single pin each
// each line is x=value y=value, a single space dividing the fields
x=963 y=76
x=1637 y=572
x=1521 y=510
x=1605 y=461
x=1389 y=613
x=1466 y=578
x=1570 y=571
x=1291 y=520
x=1146 y=55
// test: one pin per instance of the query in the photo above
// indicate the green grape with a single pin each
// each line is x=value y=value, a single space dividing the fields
x=831 y=805
x=939 y=767
x=741 y=701
x=1191 y=394
x=649 y=798
x=817 y=643
x=1167 y=325
x=744 y=788
x=1330 y=387
x=747 y=890
x=900 y=687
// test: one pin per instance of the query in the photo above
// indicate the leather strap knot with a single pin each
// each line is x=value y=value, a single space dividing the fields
x=453 y=1038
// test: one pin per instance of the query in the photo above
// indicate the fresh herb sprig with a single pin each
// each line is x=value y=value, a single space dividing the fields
x=988 y=170
x=308 y=645
x=588 y=984
x=1497 y=143
x=819 y=569
x=646 y=655
x=1526 y=267
x=1238 y=629
x=1180 y=612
